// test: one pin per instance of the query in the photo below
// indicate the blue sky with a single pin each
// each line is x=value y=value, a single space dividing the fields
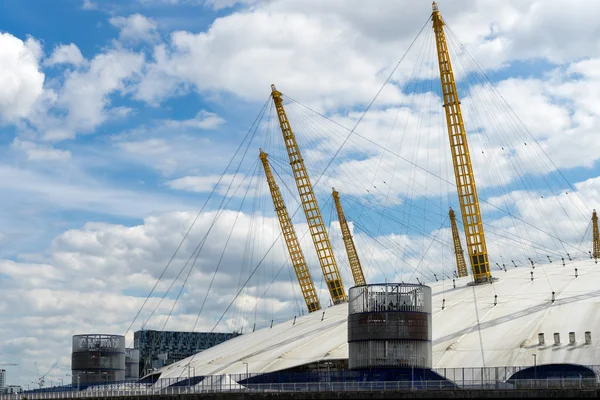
x=117 y=119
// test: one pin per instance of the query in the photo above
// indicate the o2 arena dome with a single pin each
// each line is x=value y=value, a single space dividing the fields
x=549 y=310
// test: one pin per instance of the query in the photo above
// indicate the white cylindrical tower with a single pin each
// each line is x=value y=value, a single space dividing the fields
x=389 y=326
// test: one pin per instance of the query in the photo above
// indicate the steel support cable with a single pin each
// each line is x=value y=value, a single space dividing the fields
x=327 y=201
x=220 y=208
x=306 y=127
x=222 y=253
x=420 y=119
x=475 y=115
x=490 y=156
x=247 y=280
x=445 y=180
x=375 y=175
x=286 y=262
x=379 y=241
x=441 y=178
x=396 y=246
x=584 y=235
x=441 y=215
x=358 y=172
x=428 y=235
x=251 y=236
x=196 y=252
x=535 y=246
x=369 y=190
x=425 y=197
x=355 y=222
x=224 y=249
x=260 y=262
x=370 y=105
x=194 y=221
x=427 y=250
x=479 y=86
x=488 y=80
x=221 y=205
x=540 y=209
x=407 y=199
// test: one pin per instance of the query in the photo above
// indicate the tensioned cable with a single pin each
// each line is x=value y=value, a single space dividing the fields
x=220 y=208
x=222 y=253
x=196 y=218
x=432 y=173
x=525 y=127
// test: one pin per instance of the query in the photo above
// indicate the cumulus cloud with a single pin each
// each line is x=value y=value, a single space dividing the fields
x=65 y=54
x=21 y=79
x=135 y=28
x=85 y=94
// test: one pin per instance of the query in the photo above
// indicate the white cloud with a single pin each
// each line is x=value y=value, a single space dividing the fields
x=202 y=120
x=249 y=51
x=89 y=5
x=65 y=54
x=20 y=77
x=192 y=145
x=39 y=152
x=85 y=94
x=135 y=28
x=72 y=189
x=221 y=4
x=240 y=185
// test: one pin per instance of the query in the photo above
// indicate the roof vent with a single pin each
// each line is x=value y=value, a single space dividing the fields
x=556 y=338
x=588 y=337
x=571 y=338
x=541 y=339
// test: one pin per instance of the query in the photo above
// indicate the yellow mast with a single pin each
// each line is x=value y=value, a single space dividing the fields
x=291 y=240
x=461 y=265
x=310 y=205
x=463 y=170
x=357 y=272
x=595 y=236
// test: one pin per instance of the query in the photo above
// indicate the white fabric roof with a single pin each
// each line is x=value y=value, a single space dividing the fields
x=509 y=330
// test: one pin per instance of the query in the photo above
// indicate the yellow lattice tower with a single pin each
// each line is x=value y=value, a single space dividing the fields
x=595 y=236
x=291 y=240
x=461 y=265
x=355 y=267
x=463 y=170
x=308 y=199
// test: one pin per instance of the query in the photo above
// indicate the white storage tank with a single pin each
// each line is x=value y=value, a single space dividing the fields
x=389 y=326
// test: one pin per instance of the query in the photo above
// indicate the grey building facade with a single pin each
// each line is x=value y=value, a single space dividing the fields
x=160 y=348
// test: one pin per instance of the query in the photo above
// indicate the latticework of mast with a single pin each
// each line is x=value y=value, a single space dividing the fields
x=308 y=199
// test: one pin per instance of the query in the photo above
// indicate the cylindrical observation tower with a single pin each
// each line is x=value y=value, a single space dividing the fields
x=389 y=326
x=98 y=359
